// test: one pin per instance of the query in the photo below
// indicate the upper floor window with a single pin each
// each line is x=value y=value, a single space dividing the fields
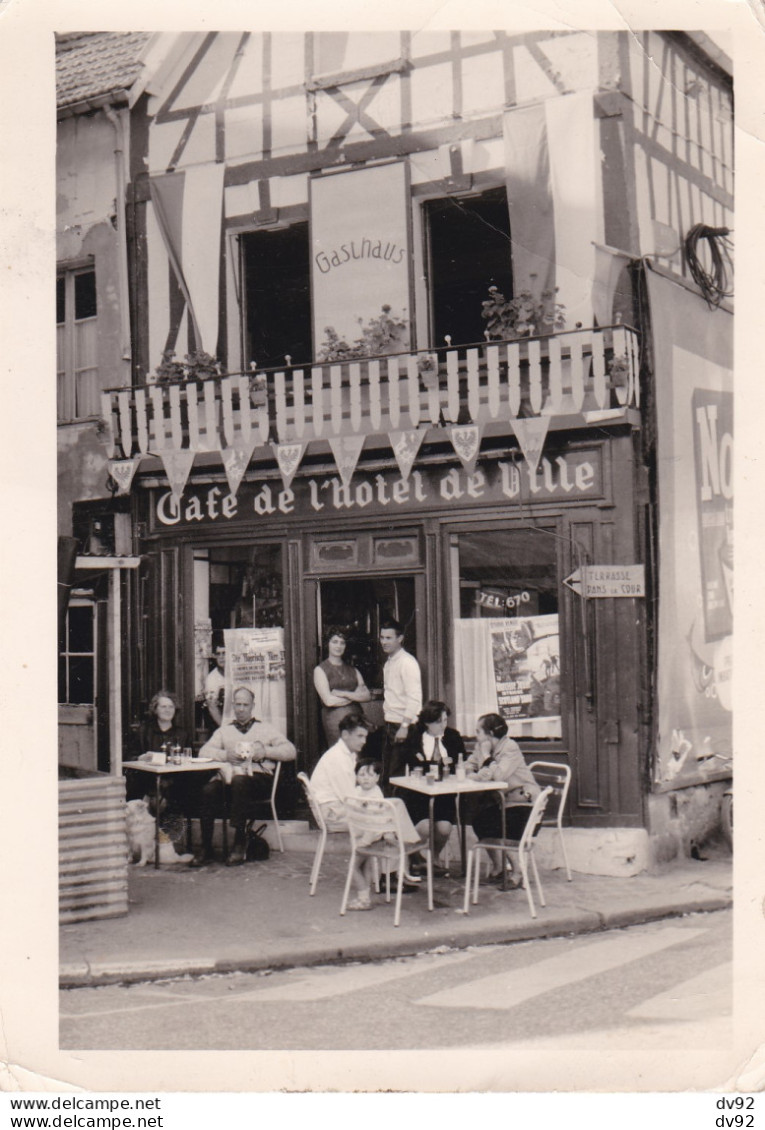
x=277 y=296
x=468 y=241
x=78 y=385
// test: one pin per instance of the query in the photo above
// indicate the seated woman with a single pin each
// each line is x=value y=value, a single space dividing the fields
x=158 y=730
x=497 y=757
x=431 y=741
x=340 y=686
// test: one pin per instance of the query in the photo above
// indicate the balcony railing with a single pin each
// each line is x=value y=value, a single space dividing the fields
x=569 y=375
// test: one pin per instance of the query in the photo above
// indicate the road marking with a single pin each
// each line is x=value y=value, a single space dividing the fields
x=708 y=994
x=322 y=984
x=507 y=990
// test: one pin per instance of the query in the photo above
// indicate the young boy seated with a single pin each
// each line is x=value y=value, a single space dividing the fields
x=368 y=773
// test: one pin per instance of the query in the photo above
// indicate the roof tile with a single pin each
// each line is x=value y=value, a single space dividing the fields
x=94 y=64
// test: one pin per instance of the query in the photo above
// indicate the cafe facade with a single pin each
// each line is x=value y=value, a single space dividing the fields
x=334 y=418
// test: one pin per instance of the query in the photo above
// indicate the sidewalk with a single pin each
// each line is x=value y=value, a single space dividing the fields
x=260 y=916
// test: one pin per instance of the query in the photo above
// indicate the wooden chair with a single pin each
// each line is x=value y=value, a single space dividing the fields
x=558 y=777
x=523 y=848
x=325 y=828
x=373 y=820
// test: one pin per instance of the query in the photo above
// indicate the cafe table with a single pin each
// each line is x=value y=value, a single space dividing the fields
x=169 y=769
x=450 y=786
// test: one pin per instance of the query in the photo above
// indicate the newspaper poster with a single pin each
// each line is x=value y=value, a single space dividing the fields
x=255 y=659
x=526 y=659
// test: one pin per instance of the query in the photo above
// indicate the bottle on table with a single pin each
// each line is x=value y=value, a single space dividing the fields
x=459 y=772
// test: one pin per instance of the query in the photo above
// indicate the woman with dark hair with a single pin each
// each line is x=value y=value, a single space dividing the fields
x=340 y=686
x=159 y=729
x=432 y=742
x=497 y=757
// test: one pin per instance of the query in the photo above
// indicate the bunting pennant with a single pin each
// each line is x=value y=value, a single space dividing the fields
x=177 y=466
x=122 y=471
x=405 y=447
x=288 y=456
x=466 y=441
x=346 y=450
x=531 y=432
x=235 y=460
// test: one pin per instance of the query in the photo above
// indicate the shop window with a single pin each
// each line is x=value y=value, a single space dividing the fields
x=277 y=297
x=77 y=656
x=506 y=635
x=469 y=251
x=78 y=385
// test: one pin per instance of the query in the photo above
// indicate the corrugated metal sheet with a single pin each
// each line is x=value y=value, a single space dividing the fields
x=92 y=849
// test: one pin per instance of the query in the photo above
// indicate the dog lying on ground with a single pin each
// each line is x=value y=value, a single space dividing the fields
x=140 y=834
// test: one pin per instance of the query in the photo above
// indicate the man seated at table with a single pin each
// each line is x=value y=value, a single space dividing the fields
x=334 y=779
x=250 y=749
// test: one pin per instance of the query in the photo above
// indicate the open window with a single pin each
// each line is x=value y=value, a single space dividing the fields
x=277 y=296
x=468 y=245
x=76 y=345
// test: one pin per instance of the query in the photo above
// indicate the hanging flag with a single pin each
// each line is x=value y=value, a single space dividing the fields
x=405 y=447
x=122 y=471
x=189 y=206
x=177 y=466
x=346 y=450
x=609 y=264
x=529 y=199
x=553 y=178
x=466 y=441
x=235 y=460
x=531 y=432
x=288 y=456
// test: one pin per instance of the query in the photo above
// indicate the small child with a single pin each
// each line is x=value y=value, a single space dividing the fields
x=368 y=773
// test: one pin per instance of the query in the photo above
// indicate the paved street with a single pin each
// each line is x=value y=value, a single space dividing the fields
x=666 y=985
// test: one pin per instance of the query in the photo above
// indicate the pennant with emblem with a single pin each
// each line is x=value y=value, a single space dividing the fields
x=288 y=456
x=531 y=432
x=122 y=471
x=405 y=447
x=177 y=466
x=466 y=441
x=346 y=450
x=235 y=460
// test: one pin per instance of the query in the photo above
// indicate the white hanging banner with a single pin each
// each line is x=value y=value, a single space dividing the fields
x=531 y=432
x=177 y=466
x=466 y=441
x=122 y=471
x=405 y=447
x=346 y=450
x=288 y=456
x=359 y=248
x=235 y=460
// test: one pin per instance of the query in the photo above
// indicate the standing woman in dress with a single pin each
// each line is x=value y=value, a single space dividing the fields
x=340 y=686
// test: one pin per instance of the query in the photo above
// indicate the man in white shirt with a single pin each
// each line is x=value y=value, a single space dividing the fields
x=402 y=694
x=215 y=685
x=334 y=777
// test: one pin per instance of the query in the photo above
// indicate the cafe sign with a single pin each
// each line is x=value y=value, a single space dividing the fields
x=577 y=475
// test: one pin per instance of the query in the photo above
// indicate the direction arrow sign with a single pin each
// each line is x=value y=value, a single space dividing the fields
x=597 y=581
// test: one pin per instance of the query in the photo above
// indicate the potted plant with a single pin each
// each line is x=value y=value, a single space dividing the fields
x=427 y=367
x=385 y=334
x=196 y=366
x=523 y=316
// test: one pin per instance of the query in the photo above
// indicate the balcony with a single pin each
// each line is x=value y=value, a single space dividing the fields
x=575 y=377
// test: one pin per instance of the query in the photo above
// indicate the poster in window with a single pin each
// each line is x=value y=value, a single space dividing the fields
x=525 y=655
x=255 y=659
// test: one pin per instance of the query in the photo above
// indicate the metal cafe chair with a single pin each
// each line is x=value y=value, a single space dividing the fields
x=523 y=847
x=325 y=828
x=558 y=777
x=373 y=820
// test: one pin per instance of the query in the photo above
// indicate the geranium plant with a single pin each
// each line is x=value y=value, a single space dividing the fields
x=196 y=366
x=524 y=315
x=387 y=333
